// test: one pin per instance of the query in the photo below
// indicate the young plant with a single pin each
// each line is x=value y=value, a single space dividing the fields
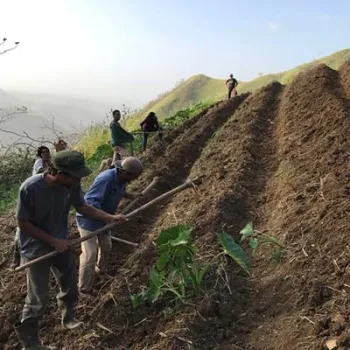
x=177 y=274
x=256 y=239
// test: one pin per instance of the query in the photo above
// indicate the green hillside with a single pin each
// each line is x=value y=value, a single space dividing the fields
x=201 y=87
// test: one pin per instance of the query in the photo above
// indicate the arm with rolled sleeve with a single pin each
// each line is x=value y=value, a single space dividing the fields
x=92 y=207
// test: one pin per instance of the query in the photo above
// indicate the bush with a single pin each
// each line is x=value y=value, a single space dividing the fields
x=15 y=167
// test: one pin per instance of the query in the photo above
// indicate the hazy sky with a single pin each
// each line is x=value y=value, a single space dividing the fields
x=134 y=49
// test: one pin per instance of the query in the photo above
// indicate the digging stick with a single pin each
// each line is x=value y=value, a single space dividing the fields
x=123 y=241
x=126 y=209
x=143 y=193
x=108 y=227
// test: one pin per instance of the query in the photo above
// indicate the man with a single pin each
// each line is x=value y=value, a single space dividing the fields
x=105 y=193
x=41 y=164
x=119 y=137
x=150 y=124
x=43 y=208
x=231 y=84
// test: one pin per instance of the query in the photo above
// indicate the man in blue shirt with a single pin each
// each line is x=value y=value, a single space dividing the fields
x=105 y=193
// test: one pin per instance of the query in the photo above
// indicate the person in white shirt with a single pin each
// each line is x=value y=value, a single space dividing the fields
x=44 y=160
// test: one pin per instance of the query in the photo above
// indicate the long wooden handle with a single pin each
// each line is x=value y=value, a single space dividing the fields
x=143 y=193
x=108 y=227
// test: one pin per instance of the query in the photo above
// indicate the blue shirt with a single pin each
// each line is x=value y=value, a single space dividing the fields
x=105 y=194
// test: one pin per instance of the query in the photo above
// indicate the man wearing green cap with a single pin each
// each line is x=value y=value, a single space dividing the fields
x=105 y=193
x=43 y=208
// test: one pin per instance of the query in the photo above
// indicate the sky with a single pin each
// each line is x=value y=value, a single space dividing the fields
x=130 y=51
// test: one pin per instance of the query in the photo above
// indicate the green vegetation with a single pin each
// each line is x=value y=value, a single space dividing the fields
x=255 y=240
x=15 y=167
x=177 y=274
x=185 y=114
x=201 y=87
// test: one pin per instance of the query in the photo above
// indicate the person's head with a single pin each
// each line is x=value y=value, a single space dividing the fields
x=60 y=145
x=151 y=115
x=68 y=168
x=116 y=115
x=231 y=75
x=43 y=152
x=129 y=169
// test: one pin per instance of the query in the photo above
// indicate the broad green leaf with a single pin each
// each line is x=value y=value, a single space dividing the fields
x=235 y=251
x=155 y=291
x=247 y=230
x=162 y=261
x=136 y=300
x=254 y=243
x=173 y=233
x=183 y=237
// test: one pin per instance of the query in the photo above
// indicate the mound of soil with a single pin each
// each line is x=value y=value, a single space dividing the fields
x=278 y=157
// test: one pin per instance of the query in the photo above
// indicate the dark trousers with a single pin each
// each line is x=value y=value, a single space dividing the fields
x=63 y=267
x=230 y=89
x=144 y=141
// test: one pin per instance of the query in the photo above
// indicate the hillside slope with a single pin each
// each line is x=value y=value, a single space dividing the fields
x=278 y=157
x=201 y=87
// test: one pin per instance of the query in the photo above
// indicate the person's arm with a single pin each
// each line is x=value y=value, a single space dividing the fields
x=156 y=124
x=25 y=211
x=96 y=196
x=132 y=196
x=29 y=229
x=127 y=135
x=97 y=214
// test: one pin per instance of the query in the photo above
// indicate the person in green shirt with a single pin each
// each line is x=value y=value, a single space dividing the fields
x=119 y=137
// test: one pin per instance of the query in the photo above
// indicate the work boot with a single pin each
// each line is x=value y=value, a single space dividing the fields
x=27 y=333
x=68 y=320
x=16 y=257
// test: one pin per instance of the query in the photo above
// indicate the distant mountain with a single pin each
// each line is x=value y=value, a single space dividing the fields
x=70 y=115
x=201 y=87
x=68 y=111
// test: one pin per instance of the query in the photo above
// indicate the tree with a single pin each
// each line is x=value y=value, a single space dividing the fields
x=4 y=40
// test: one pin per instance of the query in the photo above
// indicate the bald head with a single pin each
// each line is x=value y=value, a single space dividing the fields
x=132 y=165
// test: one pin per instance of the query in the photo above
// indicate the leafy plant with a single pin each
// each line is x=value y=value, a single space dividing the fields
x=177 y=275
x=256 y=238
x=235 y=251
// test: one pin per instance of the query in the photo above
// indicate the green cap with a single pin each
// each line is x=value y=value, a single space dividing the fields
x=72 y=163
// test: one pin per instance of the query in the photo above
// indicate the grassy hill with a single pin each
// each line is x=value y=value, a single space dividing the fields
x=201 y=87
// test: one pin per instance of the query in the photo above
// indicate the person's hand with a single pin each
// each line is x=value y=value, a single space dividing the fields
x=61 y=245
x=117 y=218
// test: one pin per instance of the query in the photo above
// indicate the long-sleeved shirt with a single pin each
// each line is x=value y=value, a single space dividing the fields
x=119 y=136
x=150 y=124
x=105 y=194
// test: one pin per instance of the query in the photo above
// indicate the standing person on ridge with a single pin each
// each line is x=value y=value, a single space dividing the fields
x=231 y=84
x=105 y=193
x=119 y=137
x=150 y=124
x=43 y=208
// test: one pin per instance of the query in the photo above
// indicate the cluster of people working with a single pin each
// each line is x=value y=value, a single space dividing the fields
x=43 y=206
